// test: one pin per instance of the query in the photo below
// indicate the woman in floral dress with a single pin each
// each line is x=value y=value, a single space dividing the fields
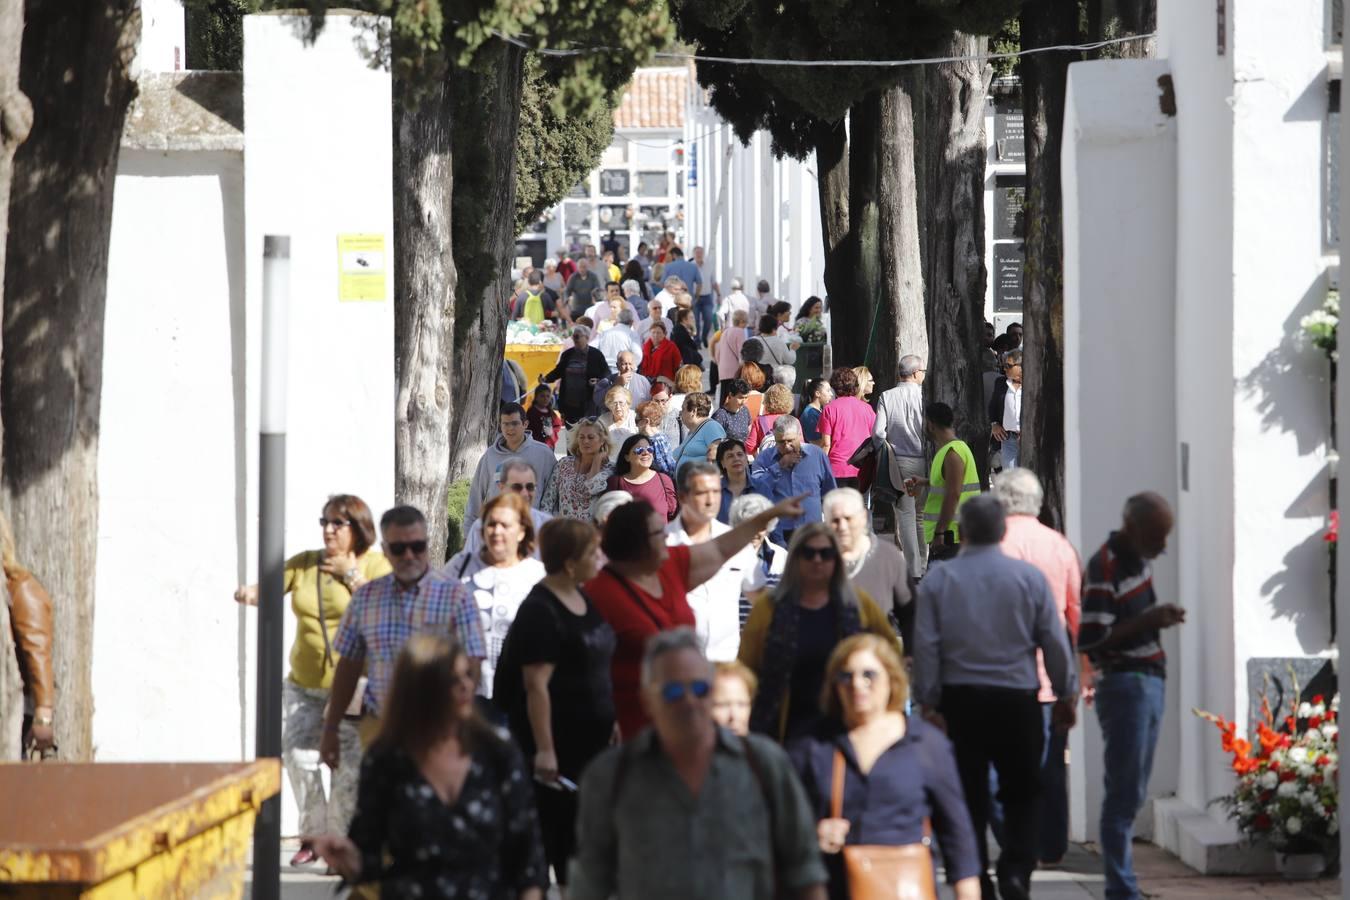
x=581 y=476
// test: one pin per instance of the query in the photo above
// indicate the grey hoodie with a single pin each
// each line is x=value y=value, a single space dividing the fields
x=538 y=455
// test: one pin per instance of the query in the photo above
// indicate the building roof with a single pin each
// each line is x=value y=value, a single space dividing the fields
x=655 y=98
x=186 y=111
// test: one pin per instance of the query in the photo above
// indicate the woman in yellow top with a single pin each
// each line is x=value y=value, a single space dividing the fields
x=321 y=584
x=791 y=632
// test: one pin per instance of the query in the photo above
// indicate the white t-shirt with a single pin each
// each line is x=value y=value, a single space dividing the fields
x=498 y=594
x=1012 y=408
x=717 y=602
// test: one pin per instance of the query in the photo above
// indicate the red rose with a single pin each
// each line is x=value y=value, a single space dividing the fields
x=1261 y=822
x=1315 y=722
x=1288 y=776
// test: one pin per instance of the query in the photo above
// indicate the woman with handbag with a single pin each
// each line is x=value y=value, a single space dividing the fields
x=321 y=584
x=883 y=783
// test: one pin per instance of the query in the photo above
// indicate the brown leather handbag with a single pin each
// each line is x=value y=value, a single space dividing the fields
x=878 y=872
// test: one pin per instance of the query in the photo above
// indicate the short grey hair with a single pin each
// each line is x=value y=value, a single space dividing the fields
x=785 y=425
x=910 y=365
x=511 y=463
x=608 y=502
x=747 y=506
x=630 y=288
x=1020 y=492
x=581 y=330
x=982 y=520
x=736 y=284
x=626 y=316
x=691 y=470
x=663 y=642
x=851 y=496
x=785 y=375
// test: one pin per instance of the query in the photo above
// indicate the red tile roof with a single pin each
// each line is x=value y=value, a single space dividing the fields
x=655 y=98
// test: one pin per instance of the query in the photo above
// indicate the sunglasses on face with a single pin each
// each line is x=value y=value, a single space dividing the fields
x=674 y=691
x=522 y=487
x=846 y=676
x=336 y=523
x=398 y=548
x=641 y=451
x=824 y=554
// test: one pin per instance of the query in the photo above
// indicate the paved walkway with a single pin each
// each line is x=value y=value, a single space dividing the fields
x=1078 y=878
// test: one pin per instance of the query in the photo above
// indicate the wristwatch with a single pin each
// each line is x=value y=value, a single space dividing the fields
x=351 y=575
x=44 y=721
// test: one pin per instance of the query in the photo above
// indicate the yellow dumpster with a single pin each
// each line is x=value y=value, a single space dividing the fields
x=534 y=359
x=130 y=830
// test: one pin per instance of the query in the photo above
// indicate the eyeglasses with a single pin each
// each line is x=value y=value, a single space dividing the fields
x=824 y=554
x=846 y=676
x=641 y=451
x=398 y=548
x=674 y=691
x=336 y=523
x=522 y=487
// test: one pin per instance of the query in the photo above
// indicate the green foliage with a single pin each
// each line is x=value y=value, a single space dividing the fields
x=554 y=152
x=457 y=501
x=215 y=33
x=1007 y=39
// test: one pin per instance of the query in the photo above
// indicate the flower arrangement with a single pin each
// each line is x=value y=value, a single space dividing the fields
x=1320 y=325
x=811 y=330
x=1286 y=781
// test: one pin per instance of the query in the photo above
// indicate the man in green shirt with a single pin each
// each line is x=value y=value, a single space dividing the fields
x=687 y=809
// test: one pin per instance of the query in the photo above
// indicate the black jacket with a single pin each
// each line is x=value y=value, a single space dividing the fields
x=996 y=401
x=685 y=342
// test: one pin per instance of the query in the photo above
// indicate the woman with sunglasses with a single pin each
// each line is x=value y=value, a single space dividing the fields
x=445 y=806
x=500 y=574
x=793 y=630
x=635 y=473
x=321 y=584
x=643 y=588
x=553 y=681
x=876 y=776
x=581 y=475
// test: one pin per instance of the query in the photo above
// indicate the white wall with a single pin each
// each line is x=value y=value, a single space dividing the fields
x=1119 y=181
x=163 y=37
x=166 y=638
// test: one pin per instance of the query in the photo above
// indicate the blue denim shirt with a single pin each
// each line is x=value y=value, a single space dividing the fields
x=811 y=476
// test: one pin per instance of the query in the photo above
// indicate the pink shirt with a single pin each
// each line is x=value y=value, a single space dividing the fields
x=848 y=421
x=1048 y=550
x=729 y=352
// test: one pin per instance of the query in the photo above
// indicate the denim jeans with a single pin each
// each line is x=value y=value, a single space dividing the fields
x=1130 y=710
x=1011 y=451
x=705 y=313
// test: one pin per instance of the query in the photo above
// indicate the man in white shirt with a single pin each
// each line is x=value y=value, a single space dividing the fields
x=732 y=302
x=655 y=315
x=1005 y=409
x=716 y=603
x=619 y=339
x=900 y=424
x=666 y=298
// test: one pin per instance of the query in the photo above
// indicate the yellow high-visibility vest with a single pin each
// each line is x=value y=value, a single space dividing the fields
x=937 y=488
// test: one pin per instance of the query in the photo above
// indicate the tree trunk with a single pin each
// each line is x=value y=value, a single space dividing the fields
x=1138 y=17
x=1044 y=77
x=76 y=68
x=902 y=327
x=852 y=315
x=424 y=285
x=486 y=124
x=954 y=233
x=831 y=144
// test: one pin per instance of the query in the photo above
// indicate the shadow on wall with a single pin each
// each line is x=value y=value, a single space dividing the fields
x=1301 y=592
x=1291 y=385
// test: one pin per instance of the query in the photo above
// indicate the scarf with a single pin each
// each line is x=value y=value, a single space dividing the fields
x=780 y=656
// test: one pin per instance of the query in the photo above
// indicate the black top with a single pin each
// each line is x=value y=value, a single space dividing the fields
x=817 y=634
x=576 y=368
x=581 y=698
x=913 y=779
x=486 y=844
x=684 y=341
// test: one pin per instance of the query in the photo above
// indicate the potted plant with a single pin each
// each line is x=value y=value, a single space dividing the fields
x=1285 y=792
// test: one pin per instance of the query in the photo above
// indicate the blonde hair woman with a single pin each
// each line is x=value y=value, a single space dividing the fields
x=873 y=774
x=581 y=475
x=619 y=420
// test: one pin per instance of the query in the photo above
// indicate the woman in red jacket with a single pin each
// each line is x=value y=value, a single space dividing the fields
x=660 y=357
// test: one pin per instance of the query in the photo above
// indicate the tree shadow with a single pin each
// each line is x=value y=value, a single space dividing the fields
x=1291 y=384
x=1302 y=600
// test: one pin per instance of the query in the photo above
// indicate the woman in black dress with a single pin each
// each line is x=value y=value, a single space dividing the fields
x=444 y=808
x=579 y=368
x=553 y=681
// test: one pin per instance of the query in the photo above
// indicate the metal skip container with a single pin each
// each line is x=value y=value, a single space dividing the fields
x=108 y=831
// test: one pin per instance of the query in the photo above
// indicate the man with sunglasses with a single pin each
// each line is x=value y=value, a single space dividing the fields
x=1005 y=409
x=518 y=478
x=688 y=809
x=381 y=617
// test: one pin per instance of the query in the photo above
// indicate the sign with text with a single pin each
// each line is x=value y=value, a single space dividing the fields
x=1008 y=264
x=361 y=267
x=1010 y=196
x=1009 y=134
x=614 y=182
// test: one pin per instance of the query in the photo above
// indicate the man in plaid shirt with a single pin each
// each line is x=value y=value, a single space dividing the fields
x=385 y=612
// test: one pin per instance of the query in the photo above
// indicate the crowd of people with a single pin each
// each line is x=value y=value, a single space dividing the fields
x=678 y=661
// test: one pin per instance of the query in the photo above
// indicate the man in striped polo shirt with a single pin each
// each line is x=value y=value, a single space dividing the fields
x=1120 y=632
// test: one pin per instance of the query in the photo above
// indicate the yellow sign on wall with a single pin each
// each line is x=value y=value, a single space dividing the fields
x=362 y=274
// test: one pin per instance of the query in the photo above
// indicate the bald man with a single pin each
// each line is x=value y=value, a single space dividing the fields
x=1121 y=632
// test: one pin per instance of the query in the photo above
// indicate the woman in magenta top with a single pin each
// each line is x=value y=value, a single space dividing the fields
x=633 y=472
x=642 y=588
x=845 y=422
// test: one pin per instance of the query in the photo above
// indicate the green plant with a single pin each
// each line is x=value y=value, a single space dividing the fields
x=456 y=501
